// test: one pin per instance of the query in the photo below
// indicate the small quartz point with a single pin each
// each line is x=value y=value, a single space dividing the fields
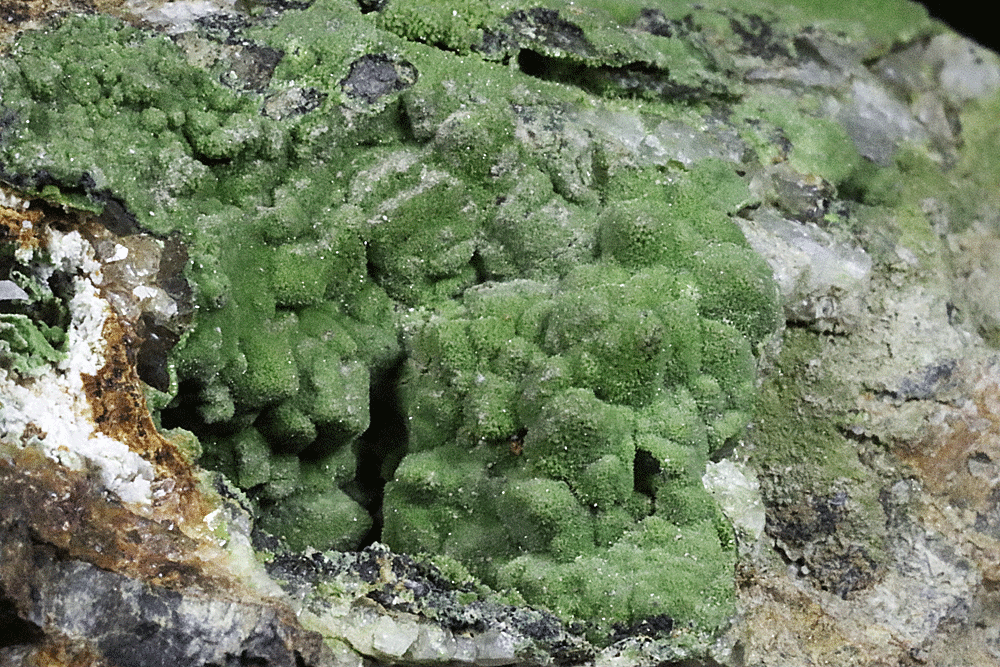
x=9 y=291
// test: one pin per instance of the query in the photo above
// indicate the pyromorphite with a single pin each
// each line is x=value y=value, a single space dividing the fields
x=620 y=380
x=483 y=256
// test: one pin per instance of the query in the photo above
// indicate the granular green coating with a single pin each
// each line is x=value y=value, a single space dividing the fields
x=566 y=328
x=588 y=408
x=24 y=345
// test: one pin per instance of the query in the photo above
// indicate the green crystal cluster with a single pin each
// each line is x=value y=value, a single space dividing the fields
x=558 y=433
x=437 y=220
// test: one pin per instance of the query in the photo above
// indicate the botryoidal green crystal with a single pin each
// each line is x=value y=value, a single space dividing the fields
x=428 y=252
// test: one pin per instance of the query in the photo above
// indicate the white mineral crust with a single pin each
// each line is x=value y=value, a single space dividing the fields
x=738 y=495
x=54 y=403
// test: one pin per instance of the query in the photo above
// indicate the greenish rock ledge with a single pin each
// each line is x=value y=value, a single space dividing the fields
x=555 y=295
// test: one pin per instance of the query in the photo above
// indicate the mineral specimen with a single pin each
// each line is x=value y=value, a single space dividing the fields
x=622 y=380
x=503 y=285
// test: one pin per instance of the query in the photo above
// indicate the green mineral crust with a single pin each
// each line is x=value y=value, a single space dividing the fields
x=468 y=277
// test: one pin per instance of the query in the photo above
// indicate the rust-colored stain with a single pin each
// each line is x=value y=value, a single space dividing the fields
x=63 y=652
x=20 y=15
x=17 y=16
x=115 y=393
x=118 y=405
x=957 y=459
x=65 y=509
x=167 y=542
x=14 y=230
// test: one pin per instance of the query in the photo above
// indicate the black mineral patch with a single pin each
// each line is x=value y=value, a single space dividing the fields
x=656 y=23
x=292 y=102
x=815 y=533
x=497 y=45
x=548 y=47
x=170 y=277
x=223 y=27
x=142 y=625
x=153 y=356
x=633 y=80
x=654 y=627
x=251 y=66
x=376 y=75
x=15 y=11
x=401 y=583
x=283 y=5
x=845 y=571
x=547 y=31
x=798 y=523
x=117 y=219
x=369 y=6
x=297 y=568
x=643 y=79
x=33 y=182
x=759 y=38
x=935 y=379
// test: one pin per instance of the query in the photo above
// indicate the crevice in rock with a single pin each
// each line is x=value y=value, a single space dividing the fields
x=14 y=630
x=380 y=448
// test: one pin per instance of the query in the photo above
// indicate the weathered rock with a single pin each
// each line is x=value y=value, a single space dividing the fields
x=133 y=621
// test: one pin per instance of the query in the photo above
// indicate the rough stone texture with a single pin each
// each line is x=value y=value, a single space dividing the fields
x=875 y=451
x=129 y=622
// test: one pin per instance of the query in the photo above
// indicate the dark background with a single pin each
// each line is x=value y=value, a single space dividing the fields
x=973 y=21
